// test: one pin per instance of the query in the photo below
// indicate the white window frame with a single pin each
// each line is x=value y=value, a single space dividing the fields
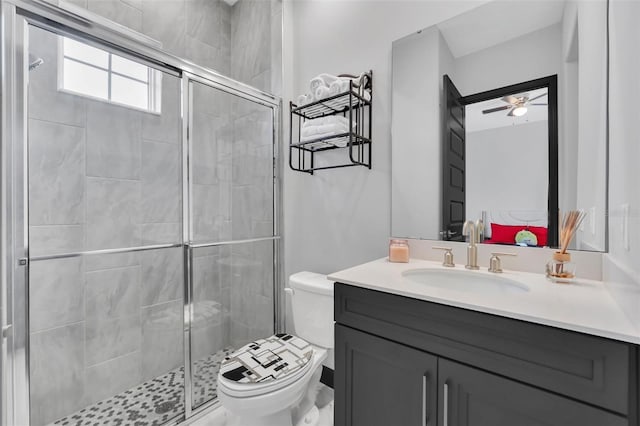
x=153 y=84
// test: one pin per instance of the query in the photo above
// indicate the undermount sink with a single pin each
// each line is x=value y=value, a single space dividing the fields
x=465 y=281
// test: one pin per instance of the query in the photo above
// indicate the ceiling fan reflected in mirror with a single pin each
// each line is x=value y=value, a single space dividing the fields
x=517 y=105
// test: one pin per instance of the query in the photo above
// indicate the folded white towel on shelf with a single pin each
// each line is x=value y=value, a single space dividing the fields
x=330 y=119
x=341 y=143
x=312 y=132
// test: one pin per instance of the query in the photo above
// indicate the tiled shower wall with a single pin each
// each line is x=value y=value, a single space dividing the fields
x=104 y=176
x=100 y=176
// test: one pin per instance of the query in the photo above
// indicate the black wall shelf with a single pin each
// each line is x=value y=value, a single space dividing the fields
x=353 y=104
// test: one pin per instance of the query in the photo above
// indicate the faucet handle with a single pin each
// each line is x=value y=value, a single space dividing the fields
x=448 y=256
x=494 y=261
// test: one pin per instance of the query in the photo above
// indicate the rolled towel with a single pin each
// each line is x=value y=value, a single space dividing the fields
x=305 y=99
x=321 y=92
x=321 y=80
x=339 y=86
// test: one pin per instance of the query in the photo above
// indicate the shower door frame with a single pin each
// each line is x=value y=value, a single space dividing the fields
x=15 y=18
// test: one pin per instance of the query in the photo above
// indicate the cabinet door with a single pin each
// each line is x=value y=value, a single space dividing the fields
x=382 y=383
x=472 y=397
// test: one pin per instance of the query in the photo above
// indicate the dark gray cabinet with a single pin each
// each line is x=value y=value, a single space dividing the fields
x=406 y=362
x=384 y=383
x=476 y=398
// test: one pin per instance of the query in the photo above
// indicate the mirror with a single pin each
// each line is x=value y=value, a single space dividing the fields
x=500 y=115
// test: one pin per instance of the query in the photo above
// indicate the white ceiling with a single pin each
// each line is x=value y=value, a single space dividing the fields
x=498 y=21
x=475 y=120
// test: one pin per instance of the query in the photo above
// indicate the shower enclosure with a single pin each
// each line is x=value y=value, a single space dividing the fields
x=141 y=208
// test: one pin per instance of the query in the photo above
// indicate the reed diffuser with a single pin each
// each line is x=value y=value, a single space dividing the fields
x=560 y=268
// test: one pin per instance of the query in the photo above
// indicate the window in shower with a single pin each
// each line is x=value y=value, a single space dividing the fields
x=96 y=73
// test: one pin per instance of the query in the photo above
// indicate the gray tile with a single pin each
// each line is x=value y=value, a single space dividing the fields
x=162 y=276
x=207 y=339
x=106 y=340
x=113 y=213
x=205 y=149
x=206 y=278
x=109 y=261
x=250 y=41
x=161 y=182
x=56 y=174
x=55 y=239
x=56 y=375
x=56 y=293
x=165 y=127
x=112 y=377
x=276 y=52
x=162 y=335
x=208 y=214
x=203 y=20
x=239 y=334
x=112 y=293
x=134 y=3
x=45 y=101
x=210 y=101
x=161 y=233
x=114 y=134
x=261 y=81
x=81 y=3
x=205 y=54
x=118 y=11
x=165 y=23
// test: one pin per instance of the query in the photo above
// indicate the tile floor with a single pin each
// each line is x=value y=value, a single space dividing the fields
x=153 y=402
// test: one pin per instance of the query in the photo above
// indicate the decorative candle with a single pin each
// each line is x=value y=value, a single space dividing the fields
x=399 y=251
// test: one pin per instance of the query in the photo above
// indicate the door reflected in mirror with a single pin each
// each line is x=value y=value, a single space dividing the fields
x=499 y=115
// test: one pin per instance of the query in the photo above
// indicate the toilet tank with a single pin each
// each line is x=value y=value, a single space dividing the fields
x=312 y=306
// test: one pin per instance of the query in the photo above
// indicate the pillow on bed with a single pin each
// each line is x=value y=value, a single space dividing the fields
x=506 y=234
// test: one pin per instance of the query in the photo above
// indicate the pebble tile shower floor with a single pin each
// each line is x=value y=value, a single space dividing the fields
x=153 y=402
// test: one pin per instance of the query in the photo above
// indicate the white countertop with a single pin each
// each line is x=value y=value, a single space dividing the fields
x=584 y=306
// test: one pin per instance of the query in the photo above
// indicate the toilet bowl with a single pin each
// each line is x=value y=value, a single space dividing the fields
x=261 y=383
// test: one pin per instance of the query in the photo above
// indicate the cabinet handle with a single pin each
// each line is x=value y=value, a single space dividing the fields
x=425 y=415
x=445 y=406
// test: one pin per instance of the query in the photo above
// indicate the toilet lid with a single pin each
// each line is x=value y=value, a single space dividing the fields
x=267 y=360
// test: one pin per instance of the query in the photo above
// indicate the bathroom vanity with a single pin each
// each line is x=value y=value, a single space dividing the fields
x=411 y=353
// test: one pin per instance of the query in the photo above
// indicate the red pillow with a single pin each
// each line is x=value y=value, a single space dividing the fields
x=506 y=234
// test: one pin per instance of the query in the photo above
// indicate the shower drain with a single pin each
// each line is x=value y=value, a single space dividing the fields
x=165 y=407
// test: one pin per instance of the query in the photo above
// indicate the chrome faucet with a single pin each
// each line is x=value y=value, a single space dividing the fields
x=479 y=231
x=469 y=229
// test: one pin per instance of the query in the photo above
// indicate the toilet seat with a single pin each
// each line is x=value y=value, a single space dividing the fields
x=265 y=365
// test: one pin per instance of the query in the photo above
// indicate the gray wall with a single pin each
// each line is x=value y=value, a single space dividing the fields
x=104 y=176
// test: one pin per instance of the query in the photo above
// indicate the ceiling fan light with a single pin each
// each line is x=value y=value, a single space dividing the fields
x=519 y=111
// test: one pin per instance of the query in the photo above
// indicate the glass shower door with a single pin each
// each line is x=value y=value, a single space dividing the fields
x=106 y=273
x=231 y=142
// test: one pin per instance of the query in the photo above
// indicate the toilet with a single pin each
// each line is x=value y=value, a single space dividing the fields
x=263 y=382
